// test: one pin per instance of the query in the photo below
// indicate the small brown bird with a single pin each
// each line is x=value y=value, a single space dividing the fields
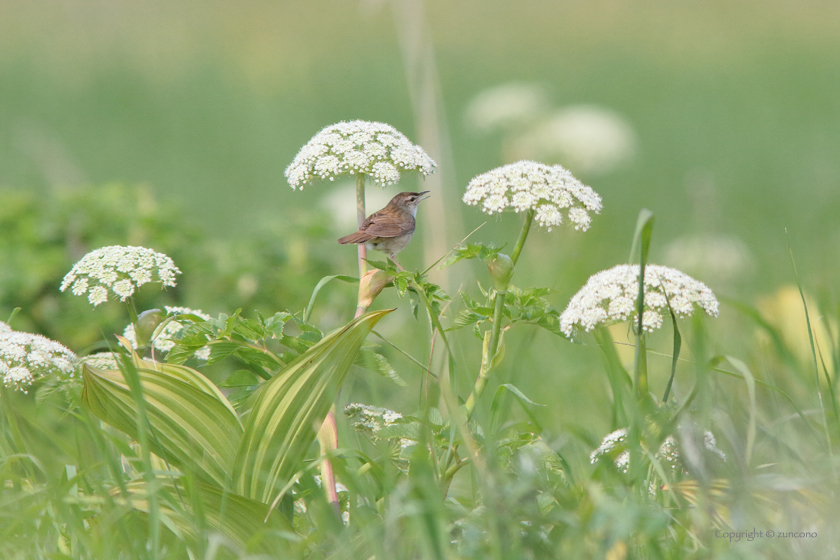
x=390 y=229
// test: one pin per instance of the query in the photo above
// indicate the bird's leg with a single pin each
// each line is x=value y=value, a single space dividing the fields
x=393 y=257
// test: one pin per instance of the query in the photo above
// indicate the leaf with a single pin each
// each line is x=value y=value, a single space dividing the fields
x=750 y=381
x=251 y=525
x=321 y=283
x=495 y=406
x=241 y=378
x=192 y=423
x=472 y=251
x=288 y=408
x=619 y=379
x=384 y=367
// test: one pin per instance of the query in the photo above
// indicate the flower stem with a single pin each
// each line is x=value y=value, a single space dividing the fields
x=498 y=316
x=328 y=438
x=360 y=217
x=488 y=354
x=132 y=310
x=641 y=368
x=523 y=235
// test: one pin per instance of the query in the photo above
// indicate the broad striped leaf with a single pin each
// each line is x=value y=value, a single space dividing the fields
x=193 y=425
x=251 y=525
x=289 y=407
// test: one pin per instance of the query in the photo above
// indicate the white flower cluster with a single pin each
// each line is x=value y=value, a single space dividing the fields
x=587 y=138
x=507 y=106
x=721 y=258
x=170 y=333
x=376 y=149
x=122 y=269
x=610 y=296
x=550 y=191
x=612 y=447
x=101 y=360
x=370 y=418
x=26 y=357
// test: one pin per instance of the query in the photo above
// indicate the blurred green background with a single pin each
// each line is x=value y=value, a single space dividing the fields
x=735 y=107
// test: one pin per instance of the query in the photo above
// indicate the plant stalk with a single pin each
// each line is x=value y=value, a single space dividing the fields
x=360 y=218
x=328 y=433
x=498 y=316
x=489 y=354
x=523 y=235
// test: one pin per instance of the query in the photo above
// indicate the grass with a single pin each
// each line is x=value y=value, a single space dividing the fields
x=734 y=107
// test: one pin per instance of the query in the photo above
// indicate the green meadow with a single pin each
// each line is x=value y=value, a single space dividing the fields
x=170 y=126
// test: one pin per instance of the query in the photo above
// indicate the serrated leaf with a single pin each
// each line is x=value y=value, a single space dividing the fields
x=241 y=378
x=472 y=251
x=407 y=430
x=288 y=408
x=384 y=367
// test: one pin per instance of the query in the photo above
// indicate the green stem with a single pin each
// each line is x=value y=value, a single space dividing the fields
x=360 y=217
x=132 y=310
x=489 y=353
x=523 y=235
x=641 y=368
x=498 y=315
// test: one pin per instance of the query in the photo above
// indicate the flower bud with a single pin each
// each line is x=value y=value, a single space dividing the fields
x=371 y=284
x=501 y=269
x=147 y=322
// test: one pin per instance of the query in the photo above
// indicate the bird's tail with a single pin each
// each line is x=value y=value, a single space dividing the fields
x=358 y=237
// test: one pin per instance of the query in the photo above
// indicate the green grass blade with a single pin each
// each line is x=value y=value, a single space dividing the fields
x=283 y=422
x=750 y=381
x=321 y=283
x=619 y=379
x=640 y=249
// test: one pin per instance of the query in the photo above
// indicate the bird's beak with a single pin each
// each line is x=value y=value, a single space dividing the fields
x=425 y=197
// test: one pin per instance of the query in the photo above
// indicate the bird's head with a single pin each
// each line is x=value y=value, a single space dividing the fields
x=408 y=201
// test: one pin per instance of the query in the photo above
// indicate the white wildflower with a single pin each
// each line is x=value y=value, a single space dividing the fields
x=550 y=191
x=171 y=332
x=122 y=269
x=612 y=446
x=347 y=148
x=720 y=258
x=370 y=418
x=610 y=297
x=26 y=357
x=506 y=107
x=587 y=138
x=101 y=360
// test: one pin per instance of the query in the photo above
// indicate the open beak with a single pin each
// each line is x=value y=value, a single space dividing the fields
x=425 y=197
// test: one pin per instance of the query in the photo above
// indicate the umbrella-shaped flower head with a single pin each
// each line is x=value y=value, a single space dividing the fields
x=171 y=332
x=26 y=357
x=375 y=149
x=610 y=297
x=551 y=191
x=119 y=269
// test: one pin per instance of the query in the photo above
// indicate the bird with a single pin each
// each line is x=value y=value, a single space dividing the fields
x=390 y=229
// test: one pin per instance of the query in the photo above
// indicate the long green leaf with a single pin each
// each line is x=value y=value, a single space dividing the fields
x=307 y=313
x=251 y=525
x=193 y=425
x=288 y=408
x=750 y=381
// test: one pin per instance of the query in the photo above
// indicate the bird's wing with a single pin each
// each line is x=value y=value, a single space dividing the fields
x=386 y=225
